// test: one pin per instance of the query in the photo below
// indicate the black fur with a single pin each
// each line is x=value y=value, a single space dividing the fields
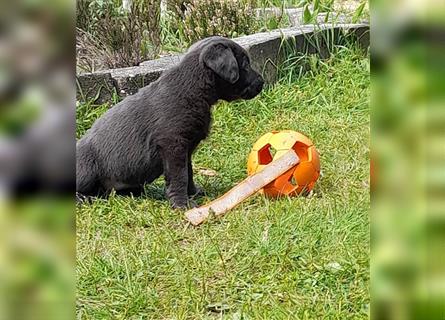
x=155 y=131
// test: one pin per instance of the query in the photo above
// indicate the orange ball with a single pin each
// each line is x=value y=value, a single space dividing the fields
x=301 y=178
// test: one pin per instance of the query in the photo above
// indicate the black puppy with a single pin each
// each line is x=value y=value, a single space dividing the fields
x=156 y=130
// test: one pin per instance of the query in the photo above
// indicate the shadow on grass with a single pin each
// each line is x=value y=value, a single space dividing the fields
x=156 y=191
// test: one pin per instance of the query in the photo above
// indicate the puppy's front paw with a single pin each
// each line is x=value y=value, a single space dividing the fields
x=191 y=204
x=196 y=192
x=183 y=205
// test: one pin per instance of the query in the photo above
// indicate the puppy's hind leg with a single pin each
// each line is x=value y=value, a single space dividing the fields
x=135 y=191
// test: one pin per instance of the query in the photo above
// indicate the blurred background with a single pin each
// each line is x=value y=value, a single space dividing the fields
x=37 y=146
x=408 y=158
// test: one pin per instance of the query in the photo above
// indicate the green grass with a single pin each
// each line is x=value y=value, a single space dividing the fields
x=292 y=258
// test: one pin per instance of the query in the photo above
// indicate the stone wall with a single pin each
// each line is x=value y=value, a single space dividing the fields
x=267 y=50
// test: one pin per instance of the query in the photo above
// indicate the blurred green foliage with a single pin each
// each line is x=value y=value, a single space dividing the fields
x=408 y=154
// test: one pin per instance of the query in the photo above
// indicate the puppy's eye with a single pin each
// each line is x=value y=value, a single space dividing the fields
x=245 y=64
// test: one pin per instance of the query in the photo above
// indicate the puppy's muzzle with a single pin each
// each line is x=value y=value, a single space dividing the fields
x=254 y=89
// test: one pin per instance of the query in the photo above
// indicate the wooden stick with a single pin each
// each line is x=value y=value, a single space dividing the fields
x=245 y=189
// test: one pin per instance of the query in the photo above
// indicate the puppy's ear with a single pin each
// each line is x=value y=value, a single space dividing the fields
x=221 y=60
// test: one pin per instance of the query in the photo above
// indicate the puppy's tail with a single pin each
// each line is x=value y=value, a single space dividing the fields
x=87 y=182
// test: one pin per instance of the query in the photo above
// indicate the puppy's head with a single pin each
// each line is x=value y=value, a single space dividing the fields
x=230 y=64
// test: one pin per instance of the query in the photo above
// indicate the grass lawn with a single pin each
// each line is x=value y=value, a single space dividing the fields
x=292 y=258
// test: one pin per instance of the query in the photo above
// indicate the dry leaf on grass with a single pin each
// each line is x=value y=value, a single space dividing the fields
x=207 y=172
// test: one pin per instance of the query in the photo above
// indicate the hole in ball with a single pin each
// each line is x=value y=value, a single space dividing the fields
x=264 y=155
x=293 y=181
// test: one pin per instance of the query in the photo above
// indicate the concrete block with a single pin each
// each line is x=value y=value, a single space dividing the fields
x=267 y=50
x=99 y=87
